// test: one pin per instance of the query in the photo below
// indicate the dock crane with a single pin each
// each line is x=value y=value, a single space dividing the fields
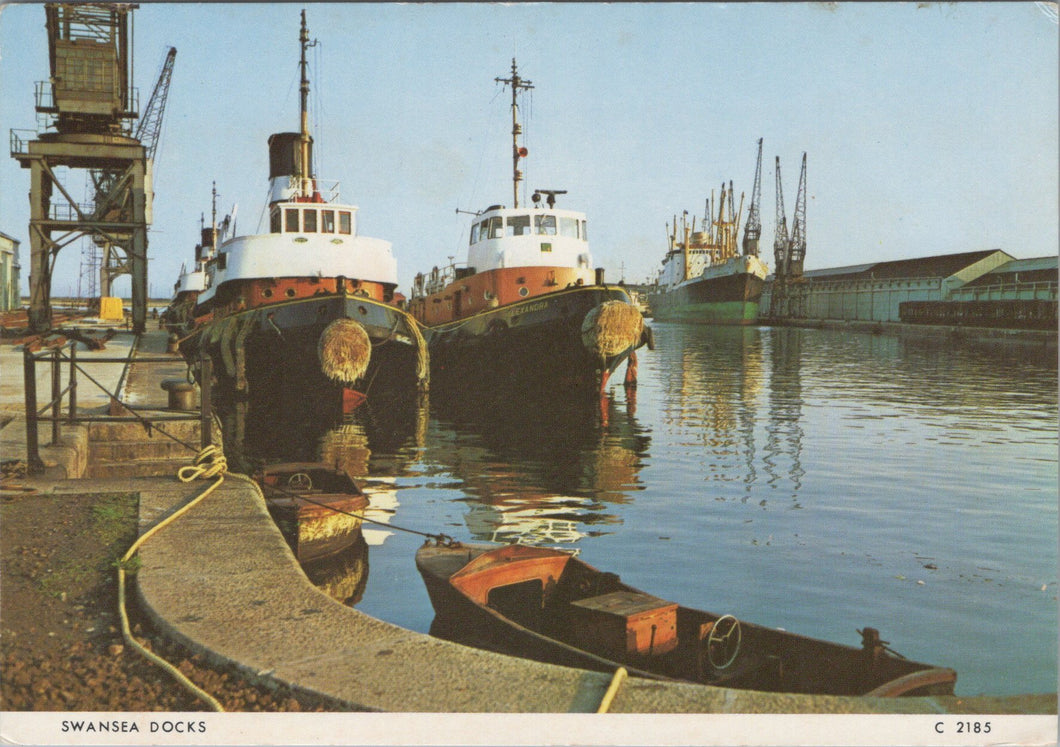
x=781 y=246
x=109 y=186
x=753 y=229
x=147 y=133
x=797 y=250
x=781 y=242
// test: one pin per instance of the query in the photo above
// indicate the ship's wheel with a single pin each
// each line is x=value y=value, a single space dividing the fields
x=300 y=481
x=723 y=642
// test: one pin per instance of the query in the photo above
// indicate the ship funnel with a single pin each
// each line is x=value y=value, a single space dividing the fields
x=285 y=154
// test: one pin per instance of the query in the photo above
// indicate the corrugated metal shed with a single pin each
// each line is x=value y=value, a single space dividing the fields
x=1038 y=269
x=941 y=266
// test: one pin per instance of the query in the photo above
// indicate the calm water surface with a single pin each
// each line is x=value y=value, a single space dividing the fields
x=812 y=480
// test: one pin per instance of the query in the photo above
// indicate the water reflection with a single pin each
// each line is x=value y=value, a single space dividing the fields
x=783 y=445
x=713 y=381
x=342 y=576
x=538 y=470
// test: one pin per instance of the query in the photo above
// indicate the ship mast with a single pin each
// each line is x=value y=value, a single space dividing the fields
x=304 y=171
x=516 y=83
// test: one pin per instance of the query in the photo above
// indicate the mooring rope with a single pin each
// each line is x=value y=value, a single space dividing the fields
x=612 y=690
x=437 y=537
x=209 y=463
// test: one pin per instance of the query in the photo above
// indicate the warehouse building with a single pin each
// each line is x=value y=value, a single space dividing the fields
x=10 y=298
x=983 y=288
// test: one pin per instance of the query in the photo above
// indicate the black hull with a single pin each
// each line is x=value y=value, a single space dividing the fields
x=533 y=345
x=267 y=372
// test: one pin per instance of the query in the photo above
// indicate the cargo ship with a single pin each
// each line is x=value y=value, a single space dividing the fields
x=527 y=309
x=705 y=277
x=304 y=320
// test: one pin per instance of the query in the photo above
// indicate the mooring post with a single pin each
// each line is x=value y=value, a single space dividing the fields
x=29 y=376
x=73 y=382
x=56 y=396
x=205 y=400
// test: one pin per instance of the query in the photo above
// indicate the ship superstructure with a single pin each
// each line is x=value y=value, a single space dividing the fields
x=527 y=307
x=304 y=317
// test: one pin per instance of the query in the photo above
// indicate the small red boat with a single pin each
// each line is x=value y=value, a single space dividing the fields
x=317 y=507
x=547 y=605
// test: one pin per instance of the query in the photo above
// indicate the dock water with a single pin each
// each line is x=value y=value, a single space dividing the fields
x=222 y=581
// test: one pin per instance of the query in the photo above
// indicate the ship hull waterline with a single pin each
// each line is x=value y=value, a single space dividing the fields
x=727 y=299
x=534 y=345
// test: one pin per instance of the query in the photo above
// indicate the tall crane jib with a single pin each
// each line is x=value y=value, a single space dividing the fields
x=753 y=229
x=797 y=252
x=150 y=128
x=148 y=133
x=781 y=242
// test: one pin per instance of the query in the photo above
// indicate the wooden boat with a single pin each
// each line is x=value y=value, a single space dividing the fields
x=547 y=605
x=311 y=502
x=527 y=311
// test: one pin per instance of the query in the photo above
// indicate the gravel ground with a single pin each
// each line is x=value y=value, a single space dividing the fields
x=61 y=647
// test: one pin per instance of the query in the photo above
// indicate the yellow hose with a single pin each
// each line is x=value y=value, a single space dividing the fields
x=612 y=690
x=209 y=462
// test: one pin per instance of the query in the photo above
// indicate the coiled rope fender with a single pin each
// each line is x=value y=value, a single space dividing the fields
x=209 y=463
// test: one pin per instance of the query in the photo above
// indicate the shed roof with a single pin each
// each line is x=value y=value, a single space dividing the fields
x=1027 y=265
x=940 y=266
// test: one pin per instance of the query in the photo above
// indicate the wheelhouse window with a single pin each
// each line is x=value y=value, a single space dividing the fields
x=290 y=220
x=345 y=224
x=518 y=225
x=327 y=221
x=474 y=234
x=545 y=225
x=309 y=221
x=585 y=235
x=496 y=227
x=568 y=227
x=275 y=221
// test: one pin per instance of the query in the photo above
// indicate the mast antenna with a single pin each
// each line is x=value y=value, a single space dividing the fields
x=305 y=170
x=516 y=84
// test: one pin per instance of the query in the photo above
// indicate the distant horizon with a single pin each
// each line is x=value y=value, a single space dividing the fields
x=930 y=129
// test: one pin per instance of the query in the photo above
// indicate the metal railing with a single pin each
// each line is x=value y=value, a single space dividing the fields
x=148 y=415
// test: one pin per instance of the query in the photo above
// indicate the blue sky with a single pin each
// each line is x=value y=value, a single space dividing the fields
x=929 y=128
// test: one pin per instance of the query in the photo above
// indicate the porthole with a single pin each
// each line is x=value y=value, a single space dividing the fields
x=523 y=291
x=363 y=310
x=267 y=292
x=487 y=295
x=289 y=292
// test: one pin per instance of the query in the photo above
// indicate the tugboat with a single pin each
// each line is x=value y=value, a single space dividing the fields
x=527 y=311
x=304 y=321
x=190 y=283
x=704 y=277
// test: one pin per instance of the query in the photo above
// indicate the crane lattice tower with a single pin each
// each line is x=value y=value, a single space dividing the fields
x=87 y=107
